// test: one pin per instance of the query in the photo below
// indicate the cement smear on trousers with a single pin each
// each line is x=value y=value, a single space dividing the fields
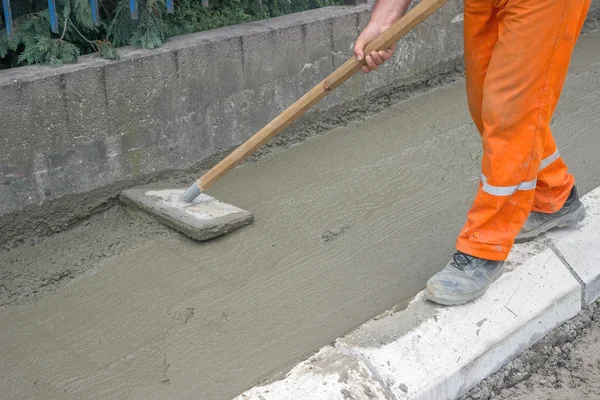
x=347 y=225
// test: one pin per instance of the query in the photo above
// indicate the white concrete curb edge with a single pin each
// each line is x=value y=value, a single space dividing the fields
x=326 y=373
x=428 y=352
x=580 y=249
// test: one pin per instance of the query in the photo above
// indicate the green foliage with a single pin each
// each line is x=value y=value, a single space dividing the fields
x=34 y=43
x=45 y=50
x=106 y=50
x=191 y=16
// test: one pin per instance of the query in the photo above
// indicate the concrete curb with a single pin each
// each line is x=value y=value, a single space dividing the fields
x=428 y=352
x=579 y=249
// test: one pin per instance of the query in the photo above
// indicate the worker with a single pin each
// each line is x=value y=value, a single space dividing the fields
x=516 y=56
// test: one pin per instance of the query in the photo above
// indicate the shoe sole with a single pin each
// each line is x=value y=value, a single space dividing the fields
x=459 y=300
x=565 y=221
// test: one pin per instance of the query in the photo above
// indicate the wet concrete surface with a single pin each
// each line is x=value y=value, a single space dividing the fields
x=347 y=225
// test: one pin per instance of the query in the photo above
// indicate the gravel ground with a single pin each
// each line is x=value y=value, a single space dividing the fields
x=564 y=365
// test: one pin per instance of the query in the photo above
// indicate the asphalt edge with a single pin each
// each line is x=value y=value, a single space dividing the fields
x=429 y=352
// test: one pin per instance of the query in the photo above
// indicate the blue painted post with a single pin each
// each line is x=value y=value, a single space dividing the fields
x=133 y=9
x=170 y=7
x=53 y=17
x=7 y=18
x=95 y=12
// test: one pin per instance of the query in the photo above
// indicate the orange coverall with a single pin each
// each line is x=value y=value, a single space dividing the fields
x=517 y=53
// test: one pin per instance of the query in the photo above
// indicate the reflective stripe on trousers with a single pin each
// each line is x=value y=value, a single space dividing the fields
x=509 y=190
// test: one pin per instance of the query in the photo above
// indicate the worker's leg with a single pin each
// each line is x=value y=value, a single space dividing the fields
x=556 y=201
x=480 y=37
x=520 y=91
x=554 y=182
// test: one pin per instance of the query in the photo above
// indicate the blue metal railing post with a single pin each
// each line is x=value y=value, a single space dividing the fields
x=7 y=18
x=95 y=12
x=133 y=9
x=53 y=17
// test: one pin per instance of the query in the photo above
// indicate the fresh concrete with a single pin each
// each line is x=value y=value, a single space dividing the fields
x=203 y=219
x=347 y=225
x=81 y=127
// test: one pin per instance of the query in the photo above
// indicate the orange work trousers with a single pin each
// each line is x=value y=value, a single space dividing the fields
x=517 y=53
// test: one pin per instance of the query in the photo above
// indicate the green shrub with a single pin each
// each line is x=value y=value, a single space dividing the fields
x=34 y=43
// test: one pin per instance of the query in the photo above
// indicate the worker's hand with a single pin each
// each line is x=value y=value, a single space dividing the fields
x=375 y=58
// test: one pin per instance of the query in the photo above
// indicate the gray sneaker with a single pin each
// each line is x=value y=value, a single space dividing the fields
x=537 y=223
x=463 y=279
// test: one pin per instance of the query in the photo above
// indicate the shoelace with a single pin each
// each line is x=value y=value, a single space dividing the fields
x=461 y=260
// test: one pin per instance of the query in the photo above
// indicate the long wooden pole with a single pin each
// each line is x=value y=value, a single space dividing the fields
x=385 y=40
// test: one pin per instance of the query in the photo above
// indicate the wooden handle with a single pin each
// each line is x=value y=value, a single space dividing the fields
x=385 y=40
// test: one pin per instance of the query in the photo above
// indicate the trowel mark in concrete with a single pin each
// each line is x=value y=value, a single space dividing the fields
x=330 y=235
x=182 y=315
x=164 y=367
